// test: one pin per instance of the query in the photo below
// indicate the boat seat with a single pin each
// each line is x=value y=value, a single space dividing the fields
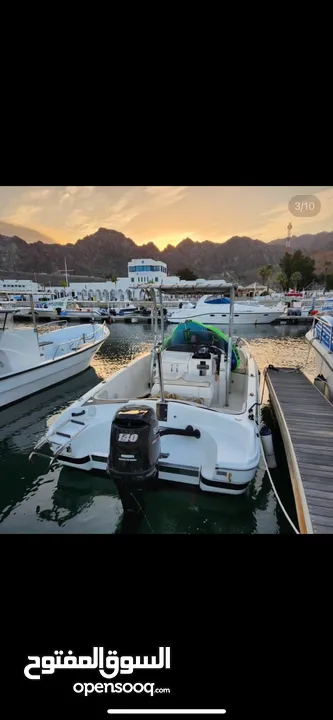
x=46 y=342
x=186 y=387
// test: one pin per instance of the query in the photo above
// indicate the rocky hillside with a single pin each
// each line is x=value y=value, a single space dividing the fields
x=107 y=253
x=308 y=243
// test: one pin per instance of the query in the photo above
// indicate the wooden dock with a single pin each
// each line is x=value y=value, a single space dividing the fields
x=305 y=418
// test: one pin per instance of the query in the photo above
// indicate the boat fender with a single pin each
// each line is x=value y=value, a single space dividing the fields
x=267 y=441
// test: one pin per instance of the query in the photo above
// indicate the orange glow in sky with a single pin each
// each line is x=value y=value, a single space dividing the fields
x=160 y=214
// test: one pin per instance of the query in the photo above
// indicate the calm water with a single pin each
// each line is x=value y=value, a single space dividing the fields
x=36 y=500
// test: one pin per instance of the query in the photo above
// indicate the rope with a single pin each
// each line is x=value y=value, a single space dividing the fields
x=265 y=461
x=275 y=492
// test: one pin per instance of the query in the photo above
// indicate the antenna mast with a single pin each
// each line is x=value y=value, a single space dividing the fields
x=289 y=228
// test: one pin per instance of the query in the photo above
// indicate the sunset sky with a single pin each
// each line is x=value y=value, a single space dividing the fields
x=162 y=214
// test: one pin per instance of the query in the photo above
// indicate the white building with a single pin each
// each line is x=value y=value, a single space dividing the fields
x=145 y=271
x=140 y=272
x=19 y=285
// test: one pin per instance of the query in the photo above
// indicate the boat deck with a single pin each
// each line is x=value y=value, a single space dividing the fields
x=305 y=418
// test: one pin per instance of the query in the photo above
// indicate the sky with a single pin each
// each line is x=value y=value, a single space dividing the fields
x=161 y=214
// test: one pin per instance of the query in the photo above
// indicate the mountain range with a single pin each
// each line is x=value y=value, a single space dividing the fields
x=107 y=252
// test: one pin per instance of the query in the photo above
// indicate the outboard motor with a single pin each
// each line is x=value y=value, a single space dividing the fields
x=135 y=448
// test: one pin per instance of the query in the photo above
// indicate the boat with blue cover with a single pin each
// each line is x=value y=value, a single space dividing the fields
x=186 y=412
x=216 y=311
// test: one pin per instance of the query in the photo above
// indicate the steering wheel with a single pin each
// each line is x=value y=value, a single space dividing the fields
x=202 y=349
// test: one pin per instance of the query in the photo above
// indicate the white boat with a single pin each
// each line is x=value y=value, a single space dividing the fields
x=47 y=309
x=186 y=412
x=37 y=358
x=321 y=339
x=73 y=311
x=216 y=310
x=130 y=309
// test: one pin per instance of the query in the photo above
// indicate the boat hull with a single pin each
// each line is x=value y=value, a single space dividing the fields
x=240 y=318
x=213 y=461
x=19 y=386
x=225 y=482
x=323 y=362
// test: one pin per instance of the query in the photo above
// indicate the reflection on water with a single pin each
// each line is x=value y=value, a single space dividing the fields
x=36 y=499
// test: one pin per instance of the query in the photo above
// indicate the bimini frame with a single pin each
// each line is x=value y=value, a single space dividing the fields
x=32 y=308
x=156 y=292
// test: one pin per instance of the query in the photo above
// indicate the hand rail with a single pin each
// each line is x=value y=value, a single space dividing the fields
x=318 y=333
x=85 y=338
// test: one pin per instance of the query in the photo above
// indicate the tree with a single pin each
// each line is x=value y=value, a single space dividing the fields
x=186 y=274
x=269 y=271
x=262 y=273
x=295 y=279
x=296 y=261
x=282 y=279
x=114 y=280
x=327 y=264
x=63 y=283
x=265 y=272
x=329 y=282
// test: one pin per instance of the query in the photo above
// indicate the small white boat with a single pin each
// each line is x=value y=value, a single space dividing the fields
x=34 y=359
x=71 y=310
x=46 y=310
x=130 y=309
x=186 y=412
x=216 y=310
x=321 y=339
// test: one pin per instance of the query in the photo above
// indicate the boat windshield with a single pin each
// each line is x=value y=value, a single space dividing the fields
x=190 y=334
x=211 y=300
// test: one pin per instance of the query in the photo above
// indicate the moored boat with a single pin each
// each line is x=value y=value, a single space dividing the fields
x=186 y=412
x=321 y=339
x=33 y=359
x=216 y=310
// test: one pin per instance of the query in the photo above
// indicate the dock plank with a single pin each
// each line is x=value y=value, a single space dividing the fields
x=305 y=418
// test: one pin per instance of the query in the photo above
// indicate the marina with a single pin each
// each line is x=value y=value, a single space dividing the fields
x=186 y=389
x=195 y=394
x=35 y=499
x=305 y=418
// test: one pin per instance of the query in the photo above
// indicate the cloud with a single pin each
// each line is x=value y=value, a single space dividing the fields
x=73 y=191
x=39 y=194
x=22 y=214
x=164 y=195
x=273 y=223
x=119 y=214
x=124 y=210
x=80 y=220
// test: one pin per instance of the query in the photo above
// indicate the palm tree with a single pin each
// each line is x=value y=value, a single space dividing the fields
x=265 y=272
x=114 y=280
x=295 y=279
x=327 y=264
x=282 y=279
x=262 y=272
x=269 y=271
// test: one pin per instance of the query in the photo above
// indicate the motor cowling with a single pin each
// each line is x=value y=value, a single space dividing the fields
x=135 y=448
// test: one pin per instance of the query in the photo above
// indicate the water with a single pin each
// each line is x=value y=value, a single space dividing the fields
x=34 y=499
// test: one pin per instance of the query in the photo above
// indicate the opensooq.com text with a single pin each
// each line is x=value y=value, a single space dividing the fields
x=148 y=688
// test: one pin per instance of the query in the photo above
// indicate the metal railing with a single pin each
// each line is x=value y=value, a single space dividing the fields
x=85 y=338
x=323 y=331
